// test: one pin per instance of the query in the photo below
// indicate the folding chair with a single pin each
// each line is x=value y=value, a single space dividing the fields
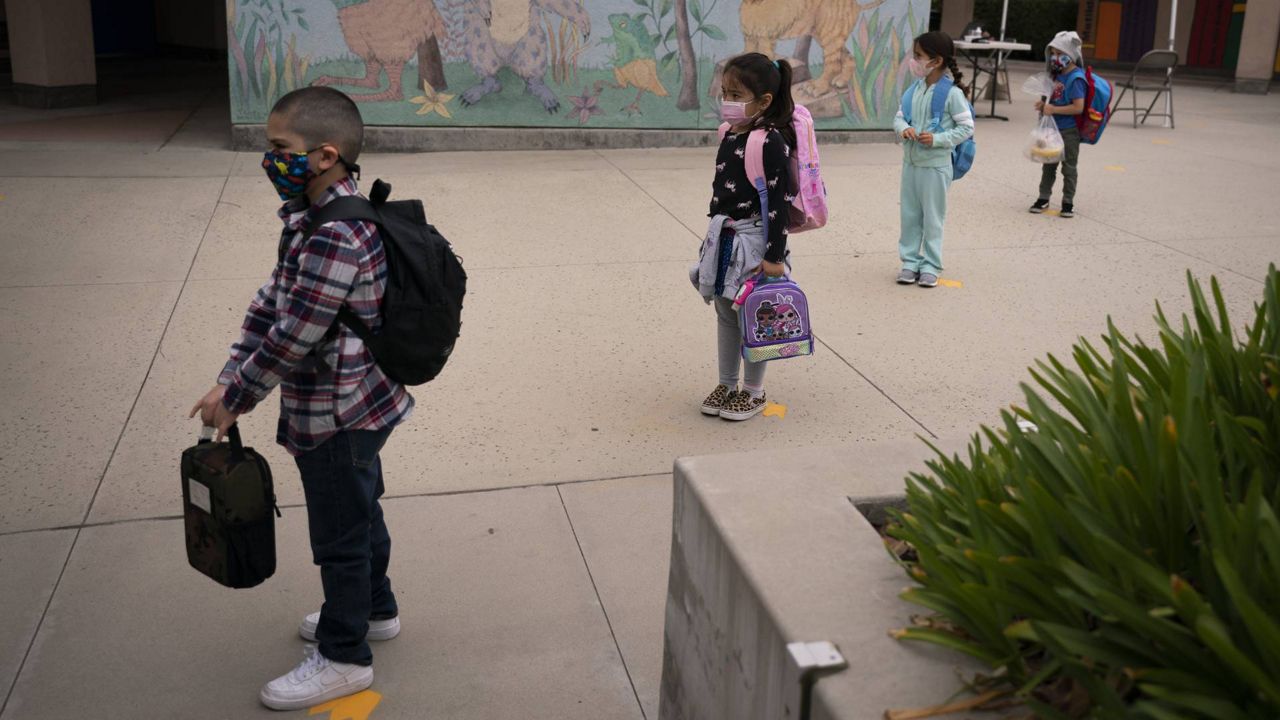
x=1162 y=61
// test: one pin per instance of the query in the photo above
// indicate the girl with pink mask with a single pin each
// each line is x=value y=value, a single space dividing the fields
x=926 y=155
x=748 y=229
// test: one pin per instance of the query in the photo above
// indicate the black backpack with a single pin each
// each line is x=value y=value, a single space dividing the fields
x=422 y=305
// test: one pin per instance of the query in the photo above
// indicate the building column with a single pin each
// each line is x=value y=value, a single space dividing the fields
x=956 y=14
x=1258 y=46
x=51 y=48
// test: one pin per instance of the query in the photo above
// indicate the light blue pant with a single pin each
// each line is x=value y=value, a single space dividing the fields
x=924 y=212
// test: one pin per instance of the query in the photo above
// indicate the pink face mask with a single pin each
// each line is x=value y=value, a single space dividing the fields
x=918 y=68
x=734 y=113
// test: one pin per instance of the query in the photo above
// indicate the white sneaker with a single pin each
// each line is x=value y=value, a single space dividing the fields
x=378 y=629
x=318 y=679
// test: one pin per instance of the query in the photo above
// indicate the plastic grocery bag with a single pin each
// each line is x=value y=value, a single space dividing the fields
x=1044 y=145
x=1039 y=85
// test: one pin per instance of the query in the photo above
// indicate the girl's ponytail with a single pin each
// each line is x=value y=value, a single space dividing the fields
x=761 y=75
x=956 y=76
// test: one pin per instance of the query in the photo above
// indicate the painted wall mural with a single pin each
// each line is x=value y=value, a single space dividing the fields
x=567 y=63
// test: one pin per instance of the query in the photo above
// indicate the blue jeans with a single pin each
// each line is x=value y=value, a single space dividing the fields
x=342 y=480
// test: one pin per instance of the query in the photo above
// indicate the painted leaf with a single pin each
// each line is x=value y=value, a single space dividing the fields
x=695 y=9
x=671 y=33
x=666 y=8
x=302 y=22
x=713 y=32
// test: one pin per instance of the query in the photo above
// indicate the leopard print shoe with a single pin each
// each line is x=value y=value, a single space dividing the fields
x=741 y=406
x=716 y=400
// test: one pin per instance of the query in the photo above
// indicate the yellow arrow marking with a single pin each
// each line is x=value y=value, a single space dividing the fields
x=352 y=707
x=950 y=283
x=772 y=409
x=1161 y=141
x=1116 y=168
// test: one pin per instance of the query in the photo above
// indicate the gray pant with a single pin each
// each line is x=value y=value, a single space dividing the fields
x=1070 y=157
x=729 y=341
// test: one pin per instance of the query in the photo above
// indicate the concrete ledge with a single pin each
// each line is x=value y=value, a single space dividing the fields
x=424 y=139
x=1253 y=86
x=59 y=96
x=767 y=549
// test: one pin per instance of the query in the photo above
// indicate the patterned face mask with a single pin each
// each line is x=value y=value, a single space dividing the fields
x=288 y=172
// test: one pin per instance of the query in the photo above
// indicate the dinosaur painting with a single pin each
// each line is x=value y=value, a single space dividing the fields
x=510 y=33
x=635 y=62
x=831 y=22
x=384 y=34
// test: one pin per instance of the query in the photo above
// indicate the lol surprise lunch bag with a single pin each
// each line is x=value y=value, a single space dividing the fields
x=775 y=319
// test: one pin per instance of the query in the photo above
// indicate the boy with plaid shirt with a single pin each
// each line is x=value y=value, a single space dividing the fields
x=337 y=407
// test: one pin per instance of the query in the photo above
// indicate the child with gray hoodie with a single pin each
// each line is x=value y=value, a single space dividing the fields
x=1062 y=56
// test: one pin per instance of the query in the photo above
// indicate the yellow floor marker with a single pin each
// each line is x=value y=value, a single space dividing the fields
x=950 y=283
x=1116 y=168
x=772 y=409
x=1162 y=141
x=352 y=707
x=1054 y=213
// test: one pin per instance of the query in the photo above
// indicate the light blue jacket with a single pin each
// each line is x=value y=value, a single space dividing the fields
x=957 y=126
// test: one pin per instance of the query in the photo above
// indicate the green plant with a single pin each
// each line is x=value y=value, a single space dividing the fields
x=880 y=74
x=265 y=65
x=660 y=11
x=1121 y=558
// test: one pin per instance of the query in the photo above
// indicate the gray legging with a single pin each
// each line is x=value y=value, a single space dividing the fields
x=1070 y=161
x=729 y=340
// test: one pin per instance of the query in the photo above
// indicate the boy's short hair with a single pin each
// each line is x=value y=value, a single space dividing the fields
x=324 y=115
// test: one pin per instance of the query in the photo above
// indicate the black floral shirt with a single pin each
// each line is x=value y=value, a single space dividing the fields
x=732 y=194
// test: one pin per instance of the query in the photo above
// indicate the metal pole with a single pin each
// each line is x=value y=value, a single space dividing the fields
x=1173 y=34
x=1004 y=18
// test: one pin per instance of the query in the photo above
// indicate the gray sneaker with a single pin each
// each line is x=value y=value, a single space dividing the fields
x=908 y=277
x=927 y=280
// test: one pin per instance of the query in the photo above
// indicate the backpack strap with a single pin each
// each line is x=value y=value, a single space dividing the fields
x=347 y=207
x=907 y=98
x=754 y=161
x=938 y=103
x=723 y=130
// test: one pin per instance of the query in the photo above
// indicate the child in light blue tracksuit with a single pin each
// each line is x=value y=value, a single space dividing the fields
x=926 y=163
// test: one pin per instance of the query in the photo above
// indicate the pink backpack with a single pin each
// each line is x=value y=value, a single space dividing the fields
x=808 y=210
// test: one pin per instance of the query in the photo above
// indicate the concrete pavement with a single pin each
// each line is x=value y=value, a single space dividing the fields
x=531 y=493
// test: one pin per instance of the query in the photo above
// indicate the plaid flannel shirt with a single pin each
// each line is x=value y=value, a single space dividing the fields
x=290 y=337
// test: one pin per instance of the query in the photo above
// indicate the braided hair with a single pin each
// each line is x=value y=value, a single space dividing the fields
x=939 y=45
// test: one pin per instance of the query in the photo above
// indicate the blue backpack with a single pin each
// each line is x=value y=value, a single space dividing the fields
x=962 y=155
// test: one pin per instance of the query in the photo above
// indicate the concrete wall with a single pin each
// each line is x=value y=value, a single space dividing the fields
x=566 y=63
x=768 y=549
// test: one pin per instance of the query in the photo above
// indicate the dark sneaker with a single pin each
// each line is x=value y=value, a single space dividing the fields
x=1068 y=210
x=927 y=280
x=908 y=277
x=716 y=400
x=1039 y=206
x=741 y=406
